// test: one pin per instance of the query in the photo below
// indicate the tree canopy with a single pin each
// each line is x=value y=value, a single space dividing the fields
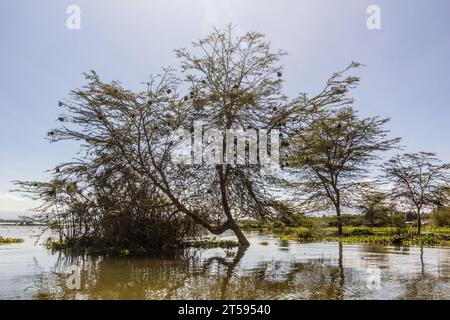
x=419 y=180
x=125 y=164
x=332 y=152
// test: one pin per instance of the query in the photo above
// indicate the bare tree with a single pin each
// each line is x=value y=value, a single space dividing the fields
x=417 y=180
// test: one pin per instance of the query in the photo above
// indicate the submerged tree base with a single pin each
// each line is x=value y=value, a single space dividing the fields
x=10 y=240
x=209 y=243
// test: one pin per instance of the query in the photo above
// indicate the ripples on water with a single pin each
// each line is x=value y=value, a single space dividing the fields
x=268 y=269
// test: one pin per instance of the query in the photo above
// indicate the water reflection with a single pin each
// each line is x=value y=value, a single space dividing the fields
x=269 y=269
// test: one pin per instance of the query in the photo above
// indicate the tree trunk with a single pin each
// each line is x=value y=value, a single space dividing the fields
x=337 y=205
x=338 y=214
x=240 y=235
x=226 y=208
x=419 y=222
x=372 y=220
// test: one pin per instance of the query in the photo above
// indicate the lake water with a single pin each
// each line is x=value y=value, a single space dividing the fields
x=268 y=269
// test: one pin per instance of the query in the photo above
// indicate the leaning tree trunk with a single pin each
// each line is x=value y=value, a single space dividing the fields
x=226 y=208
x=240 y=235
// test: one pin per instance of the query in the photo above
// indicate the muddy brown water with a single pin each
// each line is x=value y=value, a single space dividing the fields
x=268 y=269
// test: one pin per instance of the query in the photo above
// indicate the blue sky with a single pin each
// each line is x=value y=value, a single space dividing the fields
x=406 y=75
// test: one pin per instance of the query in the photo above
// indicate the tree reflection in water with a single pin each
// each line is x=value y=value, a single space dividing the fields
x=190 y=276
x=239 y=274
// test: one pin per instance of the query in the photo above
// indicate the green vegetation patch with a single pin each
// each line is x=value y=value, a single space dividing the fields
x=213 y=243
x=10 y=240
x=377 y=236
x=56 y=245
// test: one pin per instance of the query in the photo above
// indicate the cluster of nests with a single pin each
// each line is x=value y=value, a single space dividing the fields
x=249 y=98
x=191 y=96
x=169 y=91
x=150 y=102
x=198 y=103
x=339 y=89
x=284 y=165
x=285 y=144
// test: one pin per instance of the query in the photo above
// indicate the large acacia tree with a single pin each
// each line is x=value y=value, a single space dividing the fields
x=226 y=82
x=331 y=153
x=418 y=180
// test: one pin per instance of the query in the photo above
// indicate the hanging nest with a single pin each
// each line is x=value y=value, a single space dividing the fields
x=279 y=74
x=51 y=192
x=71 y=187
x=248 y=99
x=274 y=108
x=186 y=98
x=149 y=102
x=339 y=90
x=60 y=103
x=351 y=80
x=214 y=98
x=169 y=91
x=203 y=81
x=111 y=91
x=199 y=104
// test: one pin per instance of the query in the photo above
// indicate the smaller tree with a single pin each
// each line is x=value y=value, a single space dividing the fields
x=332 y=153
x=441 y=217
x=418 y=179
x=373 y=204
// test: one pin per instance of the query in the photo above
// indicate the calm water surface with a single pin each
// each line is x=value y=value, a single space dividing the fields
x=268 y=269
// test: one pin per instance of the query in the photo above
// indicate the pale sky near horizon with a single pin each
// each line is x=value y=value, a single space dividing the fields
x=406 y=76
